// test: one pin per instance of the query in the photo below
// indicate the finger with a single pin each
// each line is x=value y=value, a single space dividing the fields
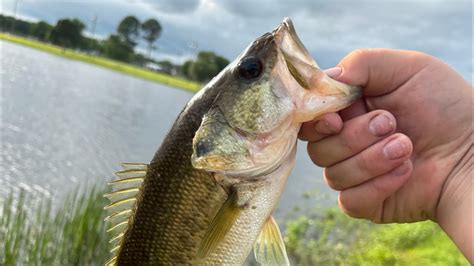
x=354 y=110
x=328 y=124
x=380 y=71
x=366 y=200
x=376 y=160
x=356 y=135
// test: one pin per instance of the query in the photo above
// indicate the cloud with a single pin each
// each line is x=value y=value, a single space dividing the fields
x=174 y=6
x=329 y=29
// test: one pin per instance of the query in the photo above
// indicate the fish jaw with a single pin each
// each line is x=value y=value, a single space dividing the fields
x=312 y=91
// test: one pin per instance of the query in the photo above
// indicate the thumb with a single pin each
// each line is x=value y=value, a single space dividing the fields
x=379 y=71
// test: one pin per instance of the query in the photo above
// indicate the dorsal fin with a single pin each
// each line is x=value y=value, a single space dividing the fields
x=123 y=198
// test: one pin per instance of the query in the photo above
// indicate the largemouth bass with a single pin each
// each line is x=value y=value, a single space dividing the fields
x=208 y=194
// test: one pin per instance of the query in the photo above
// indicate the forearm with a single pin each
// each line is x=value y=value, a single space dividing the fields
x=455 y=210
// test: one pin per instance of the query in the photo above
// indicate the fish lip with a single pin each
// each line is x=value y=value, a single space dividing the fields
x=285 y=25
x=290 y=44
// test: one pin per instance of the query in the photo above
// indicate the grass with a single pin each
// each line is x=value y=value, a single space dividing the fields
x=104 y=62
x=331 y=238
x=75 y=235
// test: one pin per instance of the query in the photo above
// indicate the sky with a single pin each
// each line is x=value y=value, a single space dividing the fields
x=329 y=29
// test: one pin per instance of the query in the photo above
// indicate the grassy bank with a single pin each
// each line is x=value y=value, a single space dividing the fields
x=104 y=62
x=75 y=235
x=331 y=238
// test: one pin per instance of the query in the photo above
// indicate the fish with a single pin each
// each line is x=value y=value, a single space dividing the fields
x=208 y=194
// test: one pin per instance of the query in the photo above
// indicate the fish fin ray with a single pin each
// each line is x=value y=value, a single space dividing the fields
x=112 y=261
x=121 y=194
x=220 y=225
x=269 y=248
x=118 y=217
x=121 y=205
x=123 y=199
x=134 y=166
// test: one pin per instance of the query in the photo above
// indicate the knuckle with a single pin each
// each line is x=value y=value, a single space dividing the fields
x=360 y=53
x=424 y=57
x=348 y=139
x=379 y=185
x=361 y=163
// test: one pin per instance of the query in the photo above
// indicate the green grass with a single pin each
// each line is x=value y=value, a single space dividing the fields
x=331 y=238
x=104 y=62
x=75 y=235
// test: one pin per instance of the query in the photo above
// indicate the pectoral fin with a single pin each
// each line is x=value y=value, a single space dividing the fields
x=220 y=225
x=269 y=248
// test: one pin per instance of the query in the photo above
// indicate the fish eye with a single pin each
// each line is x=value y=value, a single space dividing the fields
x=250 y=68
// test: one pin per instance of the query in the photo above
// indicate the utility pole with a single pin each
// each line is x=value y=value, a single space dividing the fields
x=94 y=23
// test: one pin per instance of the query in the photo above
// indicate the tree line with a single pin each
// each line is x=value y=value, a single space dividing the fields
x=119 y=45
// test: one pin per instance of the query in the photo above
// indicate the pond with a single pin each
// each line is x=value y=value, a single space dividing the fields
x=66 y=124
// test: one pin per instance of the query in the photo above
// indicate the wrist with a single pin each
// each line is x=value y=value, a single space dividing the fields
x=455 y=208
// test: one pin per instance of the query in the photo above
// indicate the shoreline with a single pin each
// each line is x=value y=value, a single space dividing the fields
x=125 y=68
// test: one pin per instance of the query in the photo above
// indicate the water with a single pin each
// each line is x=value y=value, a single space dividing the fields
x=66 y=123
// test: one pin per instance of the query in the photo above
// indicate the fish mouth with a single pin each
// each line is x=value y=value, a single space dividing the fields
x=292 y=48
x=330 y=95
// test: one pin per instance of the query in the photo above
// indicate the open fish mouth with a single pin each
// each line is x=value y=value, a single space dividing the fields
x=303 y=68
x=297 y=57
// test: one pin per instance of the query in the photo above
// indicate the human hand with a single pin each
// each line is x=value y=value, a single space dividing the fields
x=403 y=153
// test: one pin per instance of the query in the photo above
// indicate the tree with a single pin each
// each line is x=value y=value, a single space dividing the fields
x=91 y=45
x=186 y=69
x=166 y=67
x=41 y=30
x=116 y=48
x=21 y=27
x=206 y=66
x=152 y=29
x=67 y=33
x=128 y=30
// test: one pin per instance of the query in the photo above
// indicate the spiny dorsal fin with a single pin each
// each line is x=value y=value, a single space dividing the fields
x=112 y=261
x=134 y=166
x=269 y=248
x=122 y=203
x=220 y=225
